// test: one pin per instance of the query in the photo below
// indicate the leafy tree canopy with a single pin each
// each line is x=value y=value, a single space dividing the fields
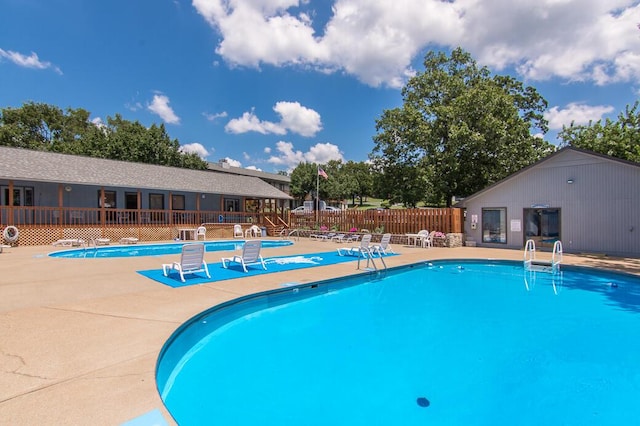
x=49 y=128
x=620 y=139
x=303 y=180
x=459 y=130
x=346 y=180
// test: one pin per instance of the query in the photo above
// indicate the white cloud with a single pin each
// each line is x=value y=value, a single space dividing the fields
x=30 y=61
x=298 y=119
x=294 y=118
x=253 y=168
x=133 y=106
x=577 y=113
x=376 y=40
x=214 y=117
x=160 y=106
x=267 y=150
x=195 y=148
x=232 y=162
x=250 y=123
x=289 y=157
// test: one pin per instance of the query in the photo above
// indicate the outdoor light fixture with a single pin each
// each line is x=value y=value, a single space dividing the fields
x=570 y=181
x=67 y=188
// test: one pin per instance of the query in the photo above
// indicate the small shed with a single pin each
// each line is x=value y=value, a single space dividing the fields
x=588 y=201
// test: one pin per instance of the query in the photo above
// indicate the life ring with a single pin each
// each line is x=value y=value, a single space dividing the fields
x=11 y=234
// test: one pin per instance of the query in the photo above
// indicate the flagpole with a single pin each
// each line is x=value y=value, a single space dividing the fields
x=317 y=192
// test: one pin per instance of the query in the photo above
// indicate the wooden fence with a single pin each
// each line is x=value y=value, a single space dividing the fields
x=395 y=221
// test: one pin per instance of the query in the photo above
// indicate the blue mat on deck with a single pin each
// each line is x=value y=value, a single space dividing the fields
x=234 y=270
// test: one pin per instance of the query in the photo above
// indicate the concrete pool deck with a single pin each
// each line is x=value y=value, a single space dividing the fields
x=79 y=338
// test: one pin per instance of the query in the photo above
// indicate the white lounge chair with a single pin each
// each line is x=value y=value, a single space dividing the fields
x=237 y=231
x=250 y=256
x=352 y=238
x=323 y=237
x=3 y=246
x=129 y=240
x=191 y=262
x=362 y=250
x=384 y=247
x=201 y=231
x=339 y=238
x=69 y=242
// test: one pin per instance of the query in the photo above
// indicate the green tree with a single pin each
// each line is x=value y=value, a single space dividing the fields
x=345 y=180
x=335 y=187
x=359 y=180
x=303 y=180
x=44 y=127
x=49 y=128
x=620 y=139
x=459 y=130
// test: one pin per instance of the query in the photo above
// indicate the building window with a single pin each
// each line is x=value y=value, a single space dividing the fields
x=177 y=202
x=494 y=225
x=156 y=201
x=109 y=201
x=231 y=204
x=22 y=196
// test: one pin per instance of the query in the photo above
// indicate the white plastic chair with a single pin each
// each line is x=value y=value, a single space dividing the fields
x=201 y=231
x=428 y=240
x=191 y=262
x=421 y=236
x=253 y=232
x=250 y=255
x=237 y=231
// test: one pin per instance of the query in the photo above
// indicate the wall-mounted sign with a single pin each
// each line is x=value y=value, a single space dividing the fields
x=515 y=225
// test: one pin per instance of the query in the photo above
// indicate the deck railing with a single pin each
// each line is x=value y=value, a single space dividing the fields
x=65 y=217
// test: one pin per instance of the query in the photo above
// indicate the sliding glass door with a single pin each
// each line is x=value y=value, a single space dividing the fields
x=542 y=225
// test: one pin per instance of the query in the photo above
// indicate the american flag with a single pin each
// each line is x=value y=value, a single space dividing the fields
x=322 y=173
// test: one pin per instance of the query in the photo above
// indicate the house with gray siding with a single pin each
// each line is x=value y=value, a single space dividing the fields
x=588 y=201
x=41 y=178
x=62 y=194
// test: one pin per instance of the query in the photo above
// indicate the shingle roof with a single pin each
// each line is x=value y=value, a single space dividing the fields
x=248 y=172
x=42 y=166
x=554 y=154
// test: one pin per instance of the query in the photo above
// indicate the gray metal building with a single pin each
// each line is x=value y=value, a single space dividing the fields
x=589 y=201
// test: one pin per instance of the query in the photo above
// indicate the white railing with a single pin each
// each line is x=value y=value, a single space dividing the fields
x=531 y=263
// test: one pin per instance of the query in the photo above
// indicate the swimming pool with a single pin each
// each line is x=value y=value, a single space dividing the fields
x=157 y=249
x=447 y=342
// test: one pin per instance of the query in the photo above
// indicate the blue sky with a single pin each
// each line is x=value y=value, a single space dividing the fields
x=269 y=83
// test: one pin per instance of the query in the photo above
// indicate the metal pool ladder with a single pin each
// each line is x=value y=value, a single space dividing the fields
x=369 y=254
x=533 y=264
x=92 y=244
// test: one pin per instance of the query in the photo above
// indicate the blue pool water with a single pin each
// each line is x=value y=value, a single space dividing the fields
x=449 y=342
x=157 y=249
